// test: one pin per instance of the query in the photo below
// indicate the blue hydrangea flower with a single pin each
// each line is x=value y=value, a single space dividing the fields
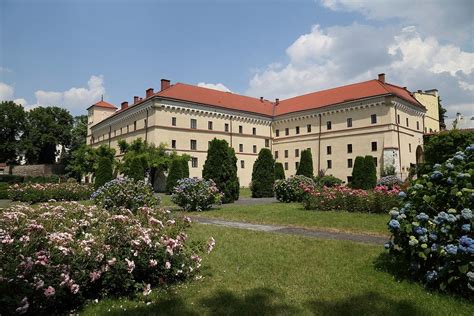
x=449 y=180
x=420 y=230
x=450 y=166
x=466 y=228
x=423 y=238
x=431 y=276
x=433 y=236
x=402 y=194
x=388 y=245
x=466 y=213
x=441 y=217
x=418 y=186
x=413 y=241
x=422 y=217
x=394 y=213
x=436 y=166
x=451 y=249
x=470 y=147
x=451 y=218
x=434 y=247
x=394 y=224
x=466 y=244
x=436 y=175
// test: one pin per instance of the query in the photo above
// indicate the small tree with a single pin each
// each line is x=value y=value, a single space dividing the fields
x=104 y=171
x=279 y=171
x=305 y=167
x=135 y=168
x=221 y=166
x=370 y=173
x=358 y=176
x=263 y=175
x=176 y=172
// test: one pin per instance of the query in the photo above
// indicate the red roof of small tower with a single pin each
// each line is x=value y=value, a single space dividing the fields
x=104 y=104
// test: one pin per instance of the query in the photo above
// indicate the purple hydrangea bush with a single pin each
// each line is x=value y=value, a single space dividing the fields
x=55 y=257
x=196 y=194
x=432 y=233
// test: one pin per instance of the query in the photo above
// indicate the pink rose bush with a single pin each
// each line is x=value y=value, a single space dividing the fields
x=53 y=257
x=196 y=194
x=44 y=192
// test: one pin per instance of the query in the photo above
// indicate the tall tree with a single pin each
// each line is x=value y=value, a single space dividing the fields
x=279 y=171
x=263 y=175
x=221 y=166
x=442 y=115
x=46 y=128
x=305 y=167
x=104 y=171
x=12 y=125
x=178 y=170
x=78 y=132
x=370 y=172
x=358 y=176
x=439 y=147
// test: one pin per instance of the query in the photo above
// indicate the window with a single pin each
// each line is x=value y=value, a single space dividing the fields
x=254 y=131
x=121 y=131
x=226 y=127
x=241 y=129
x=409 y=148
x=115 y=132
x=297 y=164
x=241 y=147
x=329 y=164
x=128 y=129
x=328 y=125
x=349 y=148
x=308 y=128
x=417 y=125
x=375 y=161
x=286 y=166
x=277 y=132
x=349 y=122
x=297 y=129
x=267 y=142
x=407 y=122
x=254 y=149
x=328 y=150
x=349 y=179
x=193 y=144
x=297 y=152
x=209 y=125
x=286 y=153
x=349 y=163
x=242 y=164
x=374 y=146
x=173 y=143
x=144 y=123
x=173 y=121
x=373 y=118
x=193 y=123
x=194 y=162
x=398 y=118
x=276 y=154
x=287 y=131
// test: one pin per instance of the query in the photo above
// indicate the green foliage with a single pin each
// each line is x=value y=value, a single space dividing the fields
x=388 y=171
x=291 y=189
x=432 y=234
x=358 y=175
x=104 y=171
x=442 y=115
x=221 y=166
x=4 y=190
x=12 y=125
x=263 y=175
x=11 y=178
x=439 y=147
x=305 y=167
x=279 y=171
x=370 y=173
x=134 y=168
x=43 y=192
x=327 y=181
x=178 y=170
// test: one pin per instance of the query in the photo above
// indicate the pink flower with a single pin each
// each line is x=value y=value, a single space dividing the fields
x=74 y=288
x=130 y=265
x=24 y=305
x=167 y=265
x=49 y=291
x=210 y=244
x=147 y=290
x=95 y=275
x=153 y=263
x=112 y=261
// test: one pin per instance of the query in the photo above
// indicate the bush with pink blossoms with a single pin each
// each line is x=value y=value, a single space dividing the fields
x=43 y=192
x=196 y=194
x=55 y=257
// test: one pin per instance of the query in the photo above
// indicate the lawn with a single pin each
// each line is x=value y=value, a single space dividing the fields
x=293 y=214
x=261 y=273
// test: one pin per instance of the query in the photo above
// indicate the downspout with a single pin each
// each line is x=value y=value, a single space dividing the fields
x=230 y=131
x=398 y=136
x=319 y=144
x=110 y=134
x=146 y=126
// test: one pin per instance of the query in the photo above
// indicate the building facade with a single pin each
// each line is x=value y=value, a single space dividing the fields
x=368 y=118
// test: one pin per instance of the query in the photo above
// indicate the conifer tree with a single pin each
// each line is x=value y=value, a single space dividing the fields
x=263 y=175
x=358 y=173
x=305 y=167
x=279 y=171
x=177 y=171
x=370 y=173
x=135 y=169
x=104 y=172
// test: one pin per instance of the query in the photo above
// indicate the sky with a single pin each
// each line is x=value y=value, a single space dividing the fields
x=69 y=53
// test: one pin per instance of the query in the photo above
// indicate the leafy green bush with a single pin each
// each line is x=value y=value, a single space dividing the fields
x=4 y=190
x=43 y=192
x=40 y=179
x=443 y=145
x=327 y=181
x=134 y=168
x=221 y=167
x=125 y=193
x=10 y=178
x=364 y=174
x=432 y=233
x=279 y=171
x=263 y=175
x=196 y=194
x=305 y=168
x=57 y=257
x=291 y=189
x=104 y=171
x=179 y=169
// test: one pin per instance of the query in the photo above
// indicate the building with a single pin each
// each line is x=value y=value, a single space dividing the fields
x=368 y=118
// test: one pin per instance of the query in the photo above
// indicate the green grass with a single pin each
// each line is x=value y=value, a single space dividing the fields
x=256 y=273
x=245 y=193
x=293 y=214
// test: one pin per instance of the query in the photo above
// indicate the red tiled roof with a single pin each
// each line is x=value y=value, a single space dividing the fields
x=104 y=104
x=228 y=100
x=342 y=94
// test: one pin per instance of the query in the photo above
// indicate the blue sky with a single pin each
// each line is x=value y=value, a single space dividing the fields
x=68 y=53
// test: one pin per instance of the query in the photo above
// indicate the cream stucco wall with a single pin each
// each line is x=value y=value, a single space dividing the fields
x=430 y=101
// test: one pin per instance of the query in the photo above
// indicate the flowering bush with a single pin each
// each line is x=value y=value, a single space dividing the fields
x=196 y=194
x=291 y=189
x=351 y=200
x=43 y=192
x=54 y=257
x=389 y=181
x=432 y=232
x=125 y=193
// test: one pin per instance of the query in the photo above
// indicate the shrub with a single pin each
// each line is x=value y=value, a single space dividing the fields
x=4 y=190
x=370 y=173
x=364 y=174
x=390 y=181
x=443 y=145
x=343 y=198
x=179 y=169
x=327 y=181
x=104 y=171
x=134 y=168
x=221 y=167
x=10 y=178
x=432 y=233
x=279 y=171
x=358 y=176
x=263 y=175
x=196 y=194
x=55 y=257
x=305 y=168
x=125 y=193
x=291 y=189
x=43 y=192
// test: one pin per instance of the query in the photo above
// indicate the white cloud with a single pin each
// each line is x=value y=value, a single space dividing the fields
x=6 y=92
x=21 y=101
x=214 y=86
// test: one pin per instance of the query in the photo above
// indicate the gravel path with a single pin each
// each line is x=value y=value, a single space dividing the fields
x=366 y=239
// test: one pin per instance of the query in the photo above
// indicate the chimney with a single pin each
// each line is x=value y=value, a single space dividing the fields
x=420 y=91
x=165 y=84
x=261 y=99
x=149 y=92
x=382 y=78
x=136 y=99
x=124 y=105
x=433 y=92
x=277 y=101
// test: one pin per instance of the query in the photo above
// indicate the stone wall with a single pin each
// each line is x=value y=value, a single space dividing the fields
x=37 y=170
